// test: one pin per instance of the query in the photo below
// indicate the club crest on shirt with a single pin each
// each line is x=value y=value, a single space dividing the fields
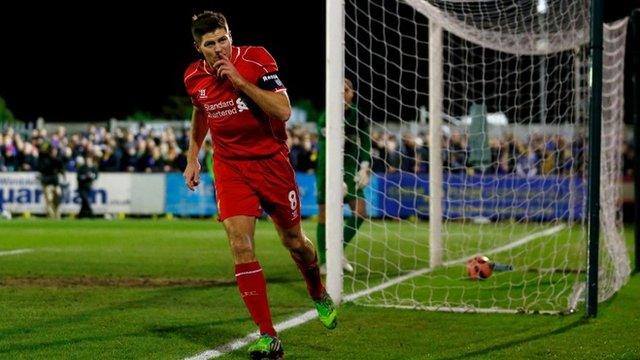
x=242 y=106
x=202 y=93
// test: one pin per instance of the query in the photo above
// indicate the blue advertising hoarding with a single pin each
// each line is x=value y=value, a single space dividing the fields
x=495 y=197
x=401 y=195
x=182 y=201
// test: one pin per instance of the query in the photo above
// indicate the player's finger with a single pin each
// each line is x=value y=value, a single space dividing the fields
x=224 y=73
x=193 y=183
x=222 y=68
x=189 y=177
x=219 y=63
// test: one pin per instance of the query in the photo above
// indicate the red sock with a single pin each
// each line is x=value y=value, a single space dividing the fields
x=253 y=289
x=311 y=274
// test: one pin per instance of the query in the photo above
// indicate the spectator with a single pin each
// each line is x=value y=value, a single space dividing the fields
x=87 y=174
x=29 y=158
x=108 y=161
x=408 y=154
x=392 y=154
x=51 y=170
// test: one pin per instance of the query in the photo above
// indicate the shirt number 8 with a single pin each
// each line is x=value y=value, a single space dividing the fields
x=293 y=199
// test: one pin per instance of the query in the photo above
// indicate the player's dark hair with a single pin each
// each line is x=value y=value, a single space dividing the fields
x=206 y=22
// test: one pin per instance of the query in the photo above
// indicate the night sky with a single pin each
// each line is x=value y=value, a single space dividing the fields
x=109 y=59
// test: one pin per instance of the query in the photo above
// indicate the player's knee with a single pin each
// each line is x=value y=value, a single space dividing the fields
x=293 y=240
x=241 y=245
x=243 y=254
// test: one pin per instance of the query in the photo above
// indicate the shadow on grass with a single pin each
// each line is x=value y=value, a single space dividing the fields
x=121 y=282
x=486 y=351
x=157 y=295
x=208 y=334
x=57 y=343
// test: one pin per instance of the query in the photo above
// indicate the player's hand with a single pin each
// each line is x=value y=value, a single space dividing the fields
x=225 y=69
x=192 y=175
x=362 y=177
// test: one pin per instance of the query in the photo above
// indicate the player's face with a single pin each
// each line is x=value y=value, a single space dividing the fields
x=348 y=95
x=215 y=44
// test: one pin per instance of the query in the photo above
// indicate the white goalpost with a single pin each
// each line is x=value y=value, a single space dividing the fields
x=335 y=144
x=478 y=113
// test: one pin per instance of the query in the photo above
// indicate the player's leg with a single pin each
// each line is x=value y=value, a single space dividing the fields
x=238 y=207
x=249 y=276
x=305 y=257
x=252 y=284
x=279 y=194
x=353 y=223
x=320 y=191
x=280 y=197
x=321 y=231
x=240 y=233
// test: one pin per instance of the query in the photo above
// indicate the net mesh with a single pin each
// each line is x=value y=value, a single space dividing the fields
x=514 y=78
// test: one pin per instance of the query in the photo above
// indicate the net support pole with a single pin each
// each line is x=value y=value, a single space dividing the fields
x=334 y=96
x=577 y=118
x=435 y=144
x=595 y=127
x=635 y=113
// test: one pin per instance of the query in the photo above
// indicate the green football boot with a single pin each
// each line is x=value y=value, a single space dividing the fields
x=327 y=312
x=266 y=347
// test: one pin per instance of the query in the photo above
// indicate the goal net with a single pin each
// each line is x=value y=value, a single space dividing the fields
x=479 y=116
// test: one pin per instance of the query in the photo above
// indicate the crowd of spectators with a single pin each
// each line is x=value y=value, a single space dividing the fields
x=162 y=150
x=145 y=150
x=539 y=154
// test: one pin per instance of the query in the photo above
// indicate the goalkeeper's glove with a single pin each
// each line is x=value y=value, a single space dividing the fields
x=362 y=177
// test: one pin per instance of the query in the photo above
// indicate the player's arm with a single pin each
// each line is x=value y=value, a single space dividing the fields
x=199 y=131
x=364 y=151
x=364 y=133
x=273 y=103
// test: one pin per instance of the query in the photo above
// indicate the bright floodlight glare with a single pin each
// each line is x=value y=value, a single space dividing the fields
x=542 y=7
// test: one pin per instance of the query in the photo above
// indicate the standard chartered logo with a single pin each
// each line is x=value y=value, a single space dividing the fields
x=225 y=108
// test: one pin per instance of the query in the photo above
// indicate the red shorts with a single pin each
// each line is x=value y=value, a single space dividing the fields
x=247 y=187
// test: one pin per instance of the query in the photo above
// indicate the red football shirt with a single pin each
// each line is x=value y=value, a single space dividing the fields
x=238 y=127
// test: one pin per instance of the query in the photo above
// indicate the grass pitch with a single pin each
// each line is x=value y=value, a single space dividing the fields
x=144 y=289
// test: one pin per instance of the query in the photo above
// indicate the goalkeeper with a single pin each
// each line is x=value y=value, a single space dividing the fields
x=357 y=167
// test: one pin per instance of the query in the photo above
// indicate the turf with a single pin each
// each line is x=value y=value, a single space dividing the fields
x=162 y=289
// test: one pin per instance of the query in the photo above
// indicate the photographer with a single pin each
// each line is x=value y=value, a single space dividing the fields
x=87 y=174
x=51 y=171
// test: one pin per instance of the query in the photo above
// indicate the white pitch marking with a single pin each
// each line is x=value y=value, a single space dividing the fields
x=311 y=314
x=15 y=252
